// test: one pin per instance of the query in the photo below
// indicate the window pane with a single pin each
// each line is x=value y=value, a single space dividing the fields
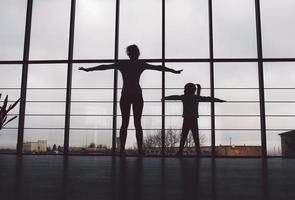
x=91 y=122
x=141 y=24
x=94 y=79
x=95 y=29
x=8 y=140
x=174 y=124
x=50 y=29
x=277 y=31
x=45 y=107
x=12 y=23
x=43 y=141
x=238 y=143
x=187 y=31
x=10 y=77
x=10 y=83
x=90 y=141
x=280 y=105
x=234 y=28
x=151 y=83
x=91 y=110
x=195 y=73
x=192 y=72
x=237 y=120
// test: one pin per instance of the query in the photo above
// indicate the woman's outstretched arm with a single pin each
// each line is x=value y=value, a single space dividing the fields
x=99 y=67
x=162 y=68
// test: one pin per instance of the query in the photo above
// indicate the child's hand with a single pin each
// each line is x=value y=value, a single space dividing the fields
x=83 y=69
x=177 y=71
x=221 y=101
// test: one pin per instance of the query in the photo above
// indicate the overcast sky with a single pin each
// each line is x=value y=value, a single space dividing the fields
x=141 y=24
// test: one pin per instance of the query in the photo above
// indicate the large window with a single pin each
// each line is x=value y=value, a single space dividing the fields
x=237 y=52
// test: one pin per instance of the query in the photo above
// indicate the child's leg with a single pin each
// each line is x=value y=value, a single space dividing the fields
x=195 y=132
x=184 y=133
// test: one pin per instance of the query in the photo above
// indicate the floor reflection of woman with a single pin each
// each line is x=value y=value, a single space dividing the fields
x=131 y=71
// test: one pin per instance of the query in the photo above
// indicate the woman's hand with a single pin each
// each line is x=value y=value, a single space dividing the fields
x=83 y=69
x=177 y=71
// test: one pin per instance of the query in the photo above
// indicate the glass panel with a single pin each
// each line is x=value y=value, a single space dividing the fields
x=10 y=76
x=8 y=140
x=237 y=120
x=39 y=141
x=91 y=110
x=12 y=23
x=48 y=122
x=50 y=29
x=192 y=72
x=147 y=122
x=10 y=83
x=92 y=94
x=187 y=31
x=173 y=133
x=91 y=122
x=195 y=73
x=234 y=28
x=94 y=79
x=238 y=143
x=151 y=83
x=85 y=108
x=280 y=104
x=141 y=24
x=90 y=141
x=277 y=32
x=45 y=108
x=95 y=29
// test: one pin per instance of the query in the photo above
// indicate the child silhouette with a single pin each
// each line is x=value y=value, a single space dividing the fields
x=190 y=115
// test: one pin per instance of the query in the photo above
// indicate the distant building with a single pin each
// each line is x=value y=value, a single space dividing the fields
x=39 y=146
x=288 y=143
x=232 y=150
x=99 y=149
x=222 y=150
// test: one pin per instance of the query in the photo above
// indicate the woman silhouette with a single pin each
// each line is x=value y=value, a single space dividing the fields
x=131 y=71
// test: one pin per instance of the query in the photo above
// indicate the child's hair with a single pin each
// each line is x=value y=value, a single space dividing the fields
x=189 y=88
x=133 y=51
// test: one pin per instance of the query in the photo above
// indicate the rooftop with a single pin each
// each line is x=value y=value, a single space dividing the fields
x=288 y=133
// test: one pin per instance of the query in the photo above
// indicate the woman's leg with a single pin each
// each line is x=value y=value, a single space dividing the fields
x=184 y=133
x=125 y=111
x=195 y=132
x=137 y=112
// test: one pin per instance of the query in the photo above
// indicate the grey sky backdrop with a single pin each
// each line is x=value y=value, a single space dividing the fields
x=140 y=23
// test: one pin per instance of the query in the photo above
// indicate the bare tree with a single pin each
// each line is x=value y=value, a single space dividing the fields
x=172 y=139
x=190 y=140
x=91 y=145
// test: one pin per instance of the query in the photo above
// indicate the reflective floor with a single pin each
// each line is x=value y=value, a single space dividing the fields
x=90 y=177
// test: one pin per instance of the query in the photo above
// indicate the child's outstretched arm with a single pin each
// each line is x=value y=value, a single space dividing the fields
x=99 y=67
x=209 y=99
x=173 y=97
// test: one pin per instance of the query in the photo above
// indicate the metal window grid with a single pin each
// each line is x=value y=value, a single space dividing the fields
x=211 y=60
